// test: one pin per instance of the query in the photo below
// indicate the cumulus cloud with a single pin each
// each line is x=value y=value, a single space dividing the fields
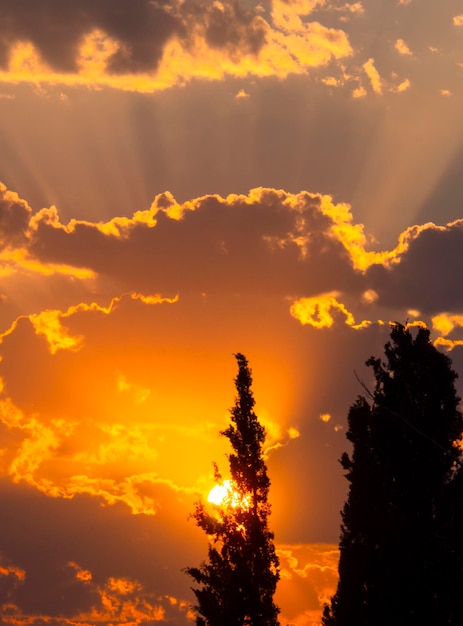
x=148 y=46
x=282 y=230
x=299 y=247
x=145 y=46
x=141 y=29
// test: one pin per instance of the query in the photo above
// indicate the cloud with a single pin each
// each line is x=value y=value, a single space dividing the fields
x=141 y=31
x=359 y=92
x=354 y=7
x=15 y=214
x=373 y=75
x=91 y=567
x=309 y=576
x=140 y=393
x=402 y=47
x=429 y=273
x=147 y=46
x=300 y=247
x=151 y=46
x=283 y=230
x=242 y=95
x=403 y=86
x=318 y=311
x=44 y=451
x=15 y=222
x=48 y=322
x=445 y=324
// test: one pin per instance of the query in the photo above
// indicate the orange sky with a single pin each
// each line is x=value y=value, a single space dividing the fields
x=181 y=181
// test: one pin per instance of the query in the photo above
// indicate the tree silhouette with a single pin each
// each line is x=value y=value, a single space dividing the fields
x=401 y=546
x=238 y=581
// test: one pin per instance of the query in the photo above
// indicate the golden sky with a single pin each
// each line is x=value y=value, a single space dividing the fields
x=180 y=181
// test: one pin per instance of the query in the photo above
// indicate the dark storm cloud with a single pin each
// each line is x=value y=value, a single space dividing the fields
x=141 y=27
x=56 y=29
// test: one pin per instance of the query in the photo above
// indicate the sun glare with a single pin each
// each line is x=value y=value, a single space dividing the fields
x=219 y=493
x=225 y=494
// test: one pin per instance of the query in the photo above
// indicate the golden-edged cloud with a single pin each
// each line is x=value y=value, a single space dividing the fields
x=288 y=240
x=16 y=223
x=40 y=446
x=48 y=323
x=445 y=324
x=319 y=311
x=115 y=599
x=145 y=47
x=299 y=213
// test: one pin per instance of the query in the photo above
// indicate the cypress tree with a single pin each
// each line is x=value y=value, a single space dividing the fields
x=238 y=581
x=400 y=546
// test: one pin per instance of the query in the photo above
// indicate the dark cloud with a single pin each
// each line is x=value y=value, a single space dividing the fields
x=14 y=218
x=49 y=539
x=236 y=28
x=141 y=27
x=56 y=29
x=240 y=245
x=430 y=273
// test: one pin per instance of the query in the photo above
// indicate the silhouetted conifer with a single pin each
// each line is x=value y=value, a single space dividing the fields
x=401 y=536
x=238 y=581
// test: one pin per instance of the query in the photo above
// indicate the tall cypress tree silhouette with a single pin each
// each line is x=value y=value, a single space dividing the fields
x=400 y=548
x=238 y=581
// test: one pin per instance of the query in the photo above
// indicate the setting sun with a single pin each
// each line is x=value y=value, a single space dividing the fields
x=225 y=494
x=219 y=493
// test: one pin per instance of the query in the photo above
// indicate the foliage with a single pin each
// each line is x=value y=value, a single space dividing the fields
x=401 y=546
x=238 y=581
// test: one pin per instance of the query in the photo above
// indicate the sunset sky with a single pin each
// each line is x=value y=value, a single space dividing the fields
x=182 y=180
